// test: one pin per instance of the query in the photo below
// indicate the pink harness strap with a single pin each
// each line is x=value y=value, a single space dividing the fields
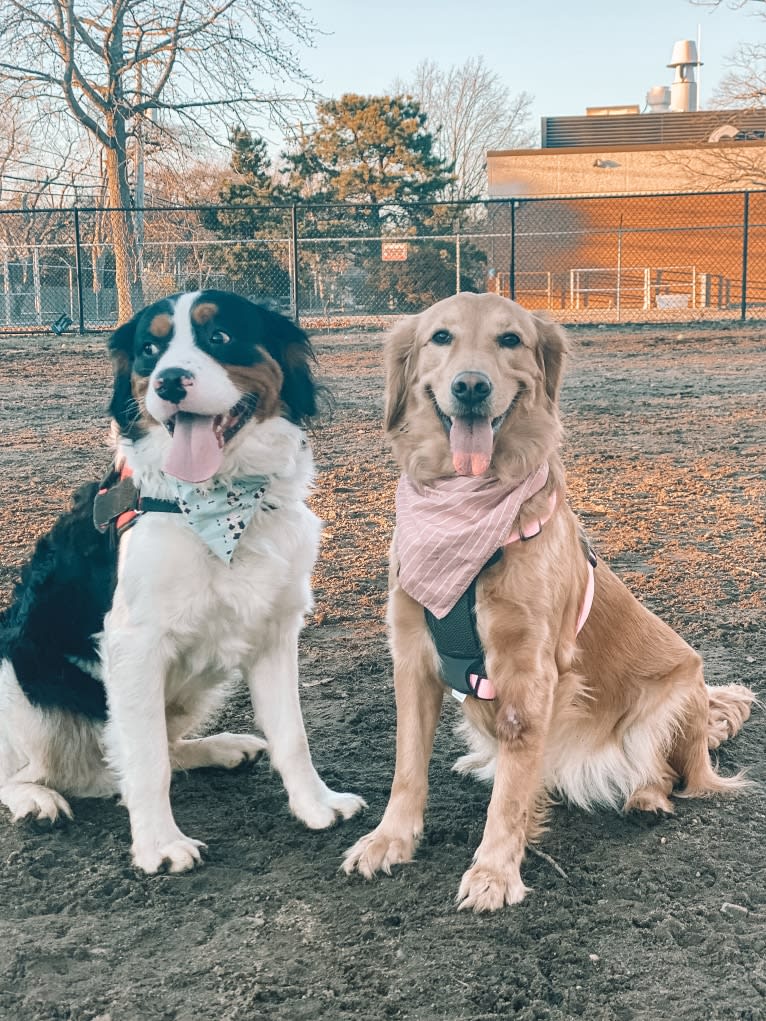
x=587 y=599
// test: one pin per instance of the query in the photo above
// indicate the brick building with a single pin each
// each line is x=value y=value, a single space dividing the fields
x=620 y=212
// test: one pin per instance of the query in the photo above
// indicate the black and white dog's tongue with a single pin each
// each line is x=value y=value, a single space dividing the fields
x=470 y=441
x=196 y=451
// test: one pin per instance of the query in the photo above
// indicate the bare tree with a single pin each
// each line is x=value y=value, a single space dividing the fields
x=744 y=84
x=123 y=68
x=471 y=110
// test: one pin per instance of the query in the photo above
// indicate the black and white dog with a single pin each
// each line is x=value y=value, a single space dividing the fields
x=109 y=659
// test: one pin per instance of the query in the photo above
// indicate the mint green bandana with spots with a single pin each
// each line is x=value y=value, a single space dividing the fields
x=220 y=513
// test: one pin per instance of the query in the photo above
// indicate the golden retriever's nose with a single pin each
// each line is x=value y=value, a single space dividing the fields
x=471 y=388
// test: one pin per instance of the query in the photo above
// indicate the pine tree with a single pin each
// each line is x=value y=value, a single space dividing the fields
x=375 y=158
x=256 y=226
x=369 y=149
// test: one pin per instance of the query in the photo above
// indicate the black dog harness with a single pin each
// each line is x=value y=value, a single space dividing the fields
x=457 y=639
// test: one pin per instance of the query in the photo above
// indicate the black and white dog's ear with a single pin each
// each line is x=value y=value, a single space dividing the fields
x=290 y=346
x=123 y=407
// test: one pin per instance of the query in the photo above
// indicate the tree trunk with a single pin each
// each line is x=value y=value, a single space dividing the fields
x=121 y=229
x=126 y=263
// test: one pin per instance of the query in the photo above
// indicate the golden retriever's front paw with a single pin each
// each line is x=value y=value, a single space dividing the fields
x=483 y=889
x=378 y=851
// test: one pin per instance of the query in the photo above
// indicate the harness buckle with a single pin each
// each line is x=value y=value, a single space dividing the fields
x=115 y=497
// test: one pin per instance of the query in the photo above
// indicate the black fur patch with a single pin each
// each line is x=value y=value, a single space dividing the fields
x=60 y=603
x=251 y=325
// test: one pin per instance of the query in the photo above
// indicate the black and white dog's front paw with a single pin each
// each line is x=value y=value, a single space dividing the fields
x=177 y=853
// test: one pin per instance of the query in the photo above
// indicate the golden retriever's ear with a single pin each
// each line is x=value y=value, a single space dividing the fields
x=398 y=359
x=552 y=350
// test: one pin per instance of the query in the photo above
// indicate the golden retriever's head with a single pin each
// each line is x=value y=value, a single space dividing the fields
x=472 y=386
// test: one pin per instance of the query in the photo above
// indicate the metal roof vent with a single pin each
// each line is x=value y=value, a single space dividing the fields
x=683 y=91
x=658 y=99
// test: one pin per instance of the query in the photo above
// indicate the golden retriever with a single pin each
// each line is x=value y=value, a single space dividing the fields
x=617 y=715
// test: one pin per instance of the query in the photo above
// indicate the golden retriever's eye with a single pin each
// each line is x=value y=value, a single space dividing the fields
x=219 y=337
x=441 y=337
x=509 y=340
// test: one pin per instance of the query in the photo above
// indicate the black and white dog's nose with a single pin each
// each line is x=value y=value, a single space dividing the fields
x=172 y=384
x=471 y=388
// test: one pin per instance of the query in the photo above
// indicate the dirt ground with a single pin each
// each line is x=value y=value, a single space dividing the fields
x=652 y=919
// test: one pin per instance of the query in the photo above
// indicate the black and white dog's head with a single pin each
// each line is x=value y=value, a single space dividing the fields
x=203 y=365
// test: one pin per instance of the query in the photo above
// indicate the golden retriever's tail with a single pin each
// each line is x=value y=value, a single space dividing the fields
x=706 y=728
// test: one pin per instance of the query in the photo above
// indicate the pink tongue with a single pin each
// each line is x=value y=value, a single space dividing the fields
x=195 y=454
x=470 y=440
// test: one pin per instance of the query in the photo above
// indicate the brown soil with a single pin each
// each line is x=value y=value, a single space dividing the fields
x=656 y=919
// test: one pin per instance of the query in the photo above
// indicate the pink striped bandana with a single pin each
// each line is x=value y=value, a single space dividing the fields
x=446 y=532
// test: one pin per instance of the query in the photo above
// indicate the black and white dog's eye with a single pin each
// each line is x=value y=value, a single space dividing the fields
x=509 y=340
x=150 y=349
x=441 y=337
x=219 y=337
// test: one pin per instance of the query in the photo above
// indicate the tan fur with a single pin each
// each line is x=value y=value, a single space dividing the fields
x=619 y=715
x=139 y=386
x=204 y=312
x=161 y=325
x=264 y=379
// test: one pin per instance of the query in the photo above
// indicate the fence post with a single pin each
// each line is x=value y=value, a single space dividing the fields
x=294 y=263
x=36 y=284
x=457 y=263
x=6 y=289
x=618 y=294
x=512 y=267
x=745 y=242
x=78 y=270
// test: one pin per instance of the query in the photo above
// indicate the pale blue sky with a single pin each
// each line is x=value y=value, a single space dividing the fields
x=568 y=55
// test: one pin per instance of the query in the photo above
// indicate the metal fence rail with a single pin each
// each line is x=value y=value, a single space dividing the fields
x=623 y=258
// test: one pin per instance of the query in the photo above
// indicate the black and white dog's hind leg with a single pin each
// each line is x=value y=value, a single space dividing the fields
x=46 y=754
x=52 y=703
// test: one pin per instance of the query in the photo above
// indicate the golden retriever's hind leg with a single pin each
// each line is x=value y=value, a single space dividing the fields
x=728 y=708
x=654 y=797
x=481 y=760
x=690 y=756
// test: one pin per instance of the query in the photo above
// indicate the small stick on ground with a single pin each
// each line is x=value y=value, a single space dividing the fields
x=551 y=861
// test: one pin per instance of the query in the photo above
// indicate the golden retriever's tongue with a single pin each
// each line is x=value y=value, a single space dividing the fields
x=195 y=453
x=470 y=441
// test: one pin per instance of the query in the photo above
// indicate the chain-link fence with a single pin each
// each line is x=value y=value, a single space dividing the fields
x=628 y=258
